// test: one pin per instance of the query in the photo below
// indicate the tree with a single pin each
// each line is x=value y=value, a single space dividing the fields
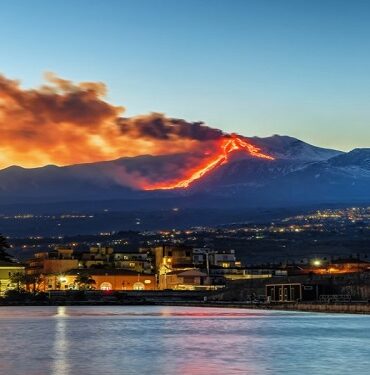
x=84 y=281
x=18 y=278
x=32 y=282
x=4 y=245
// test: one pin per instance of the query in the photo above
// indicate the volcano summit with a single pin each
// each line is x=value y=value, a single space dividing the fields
x=227 y=146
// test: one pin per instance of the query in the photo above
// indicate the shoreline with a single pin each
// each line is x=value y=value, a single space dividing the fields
x=353 y=308
x=344 y=308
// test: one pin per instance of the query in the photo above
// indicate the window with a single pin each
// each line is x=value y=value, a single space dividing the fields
x=105 y=286
x=286 y=294
x=292 y=294
x=281 y=293
x=273 y=293
x=139 y=286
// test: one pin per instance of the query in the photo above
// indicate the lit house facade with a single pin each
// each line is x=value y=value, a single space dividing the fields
x=53 y=262
x=104 y=279
x=191 y=279
x=6 y=271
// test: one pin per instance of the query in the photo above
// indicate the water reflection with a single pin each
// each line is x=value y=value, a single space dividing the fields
x=61 y=311
x=151 y=340
x=60 y=349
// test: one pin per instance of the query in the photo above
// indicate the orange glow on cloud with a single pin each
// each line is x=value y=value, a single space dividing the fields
x=65 y=123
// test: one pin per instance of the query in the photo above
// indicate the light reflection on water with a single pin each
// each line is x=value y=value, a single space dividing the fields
x=60 y=348
x=179 y=340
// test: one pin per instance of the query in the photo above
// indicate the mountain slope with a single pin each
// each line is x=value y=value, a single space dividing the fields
x=285 y=147
x=343 y=178
x=300 y=172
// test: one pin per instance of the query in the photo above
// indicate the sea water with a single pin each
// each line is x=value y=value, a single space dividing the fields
x=111 y=340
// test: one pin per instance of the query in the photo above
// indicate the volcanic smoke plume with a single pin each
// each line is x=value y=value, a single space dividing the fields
x=64 y=123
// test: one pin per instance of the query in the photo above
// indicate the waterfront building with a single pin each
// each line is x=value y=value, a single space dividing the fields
x=104 y=279
x=176 y=266
x=172 y=257
x=219 y=258
x=293 y=292
x=191 y=279
x=96 y=256
x=58 y=270
x=184 y=267
x=6 y=271
x=247 y=273
x=135 y=261
x=54 y=262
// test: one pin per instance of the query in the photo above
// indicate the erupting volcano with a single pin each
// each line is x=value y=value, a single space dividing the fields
x=227 y=146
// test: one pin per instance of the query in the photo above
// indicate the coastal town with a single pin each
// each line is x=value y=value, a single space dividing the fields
x=203 y=264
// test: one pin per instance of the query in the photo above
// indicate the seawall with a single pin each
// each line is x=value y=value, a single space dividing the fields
x=341 y=308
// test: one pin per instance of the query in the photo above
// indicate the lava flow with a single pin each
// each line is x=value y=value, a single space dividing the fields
x=228 y=145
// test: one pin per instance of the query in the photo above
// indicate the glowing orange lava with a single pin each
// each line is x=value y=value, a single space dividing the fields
x=228 y=145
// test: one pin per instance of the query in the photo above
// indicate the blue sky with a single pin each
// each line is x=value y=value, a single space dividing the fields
x=300 y=68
